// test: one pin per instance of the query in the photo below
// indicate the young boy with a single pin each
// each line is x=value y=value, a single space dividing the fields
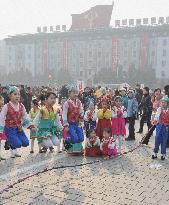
x=162 y=128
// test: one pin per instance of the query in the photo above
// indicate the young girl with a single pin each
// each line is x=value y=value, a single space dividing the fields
x=92 y=146
x=49 y=127
x=72 y=119
x=33 y=112
x=12 y=118
x=2 y=136
x=108 y=146
x=104 y=119
x=161 y=121
x=65 y=133
x=90 y=118
x=118 y=121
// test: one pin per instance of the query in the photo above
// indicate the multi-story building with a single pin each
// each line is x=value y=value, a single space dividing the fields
x=84 y=53
x=2 y=56
x=90 y=46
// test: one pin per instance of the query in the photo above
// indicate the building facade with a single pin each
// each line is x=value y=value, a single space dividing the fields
x=84 y=53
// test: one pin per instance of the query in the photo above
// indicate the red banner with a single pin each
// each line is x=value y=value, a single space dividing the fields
x=97 y=17
x=144 y=46
x=114 y=53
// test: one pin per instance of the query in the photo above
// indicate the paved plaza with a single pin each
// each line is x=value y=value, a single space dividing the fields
x=131 y=179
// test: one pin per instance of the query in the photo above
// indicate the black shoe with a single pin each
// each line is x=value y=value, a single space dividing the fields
x=145 y=141
x=130 y=138
x=51 y=149
x=31 y=152
x=7 y=146
x=44 y=149
x=154 y=157
x=162 y=158
x=139 y=132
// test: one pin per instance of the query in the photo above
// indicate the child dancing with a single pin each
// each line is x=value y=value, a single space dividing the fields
x=118 y=122
x=90 y=118
x=12 y=119
x=49 y=128
x=33 y=112
x=161 y=121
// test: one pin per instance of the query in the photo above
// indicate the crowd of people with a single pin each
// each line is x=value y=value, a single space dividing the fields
x=92 y=122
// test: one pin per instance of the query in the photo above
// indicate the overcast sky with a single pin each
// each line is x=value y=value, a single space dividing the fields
x=23 y=16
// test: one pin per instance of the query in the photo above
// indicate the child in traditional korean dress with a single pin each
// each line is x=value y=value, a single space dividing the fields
x=108 y=145
x=119 y=114
x=92 y=146
x=161 y=121
x=104 y=119
x=72 y=120
x=33 y=112
x=2 y=136
x=49 y=128
x=90 y=118
x=12 y=118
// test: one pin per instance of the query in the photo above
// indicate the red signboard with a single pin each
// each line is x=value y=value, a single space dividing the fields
x=114 y=53
x=144 y=46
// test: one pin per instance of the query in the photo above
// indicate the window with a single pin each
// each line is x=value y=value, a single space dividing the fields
x=164 y=52
x=153 y=42
x=81 y=55
x=163 y=63
x=99 y=54
x=81 y=73
x=107 y=54
x=125 y=44
x=164 y=42
x=153 y=53
x=90 y=63
x=163 y=73
x=90 y=53
x=99 y=45
x=134 y=53
x=134 y=43
x=81 y=64
x=125 y=53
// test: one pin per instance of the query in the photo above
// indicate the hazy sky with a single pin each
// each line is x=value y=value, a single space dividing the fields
x=23 y=16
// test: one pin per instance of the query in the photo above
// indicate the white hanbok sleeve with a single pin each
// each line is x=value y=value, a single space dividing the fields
x=3 y=118
x=81 y=110
x=37 y=119
x=85 y=116
x=157 y=115
x=26 y=120
x=64 y=114
x=114 y=113
x=57 y=122
x=124 y=113
x=94 y=118
x=101 y=146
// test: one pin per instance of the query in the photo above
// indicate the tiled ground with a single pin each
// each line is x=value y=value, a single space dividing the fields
x=130 y=179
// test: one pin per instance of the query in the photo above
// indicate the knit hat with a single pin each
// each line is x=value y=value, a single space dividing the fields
x=118 y=98
x=11 y=89
x=165 y=99
x=71 y=88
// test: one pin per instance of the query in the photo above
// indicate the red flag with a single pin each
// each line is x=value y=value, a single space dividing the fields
x=97 y=17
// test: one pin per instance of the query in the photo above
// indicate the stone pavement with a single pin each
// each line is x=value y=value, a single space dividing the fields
x=130 y=179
